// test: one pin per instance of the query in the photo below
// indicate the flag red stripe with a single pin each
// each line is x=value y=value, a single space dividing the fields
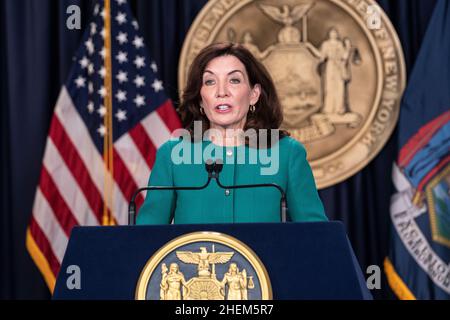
x=421 y=138
x=432 y=173
x=144 y=144
x=44 y=245
x=59 y=206
x=168 y=114
x=139 y=201
x=77 y=167
x=124 y=180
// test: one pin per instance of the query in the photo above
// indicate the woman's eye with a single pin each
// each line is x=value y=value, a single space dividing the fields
x=209 y=82
x=235 y=80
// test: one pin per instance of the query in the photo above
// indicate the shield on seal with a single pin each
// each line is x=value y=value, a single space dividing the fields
x=438 y=196
x=294 y=71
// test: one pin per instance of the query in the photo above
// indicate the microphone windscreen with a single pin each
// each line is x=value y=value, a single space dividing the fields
x=219 y=165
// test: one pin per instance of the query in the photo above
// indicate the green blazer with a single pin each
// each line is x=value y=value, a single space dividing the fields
x=180 y=163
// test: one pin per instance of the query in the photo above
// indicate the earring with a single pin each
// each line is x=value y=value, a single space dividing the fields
x=202 y=111
x=252 y=108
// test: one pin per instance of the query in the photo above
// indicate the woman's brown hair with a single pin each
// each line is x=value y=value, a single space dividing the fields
x=268 y=113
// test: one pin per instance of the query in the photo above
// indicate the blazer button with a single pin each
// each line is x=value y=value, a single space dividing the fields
x=229 y=153
x=227 y=192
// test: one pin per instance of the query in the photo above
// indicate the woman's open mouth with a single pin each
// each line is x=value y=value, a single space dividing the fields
x=223 y=108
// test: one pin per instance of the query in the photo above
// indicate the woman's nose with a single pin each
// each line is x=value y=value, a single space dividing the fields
x=222 y=89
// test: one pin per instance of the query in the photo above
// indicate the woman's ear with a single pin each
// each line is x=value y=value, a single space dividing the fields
x=255 y=93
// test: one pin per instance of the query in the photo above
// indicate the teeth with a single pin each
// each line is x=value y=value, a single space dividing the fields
x=223 y=107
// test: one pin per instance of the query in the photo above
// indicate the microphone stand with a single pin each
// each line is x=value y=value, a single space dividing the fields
x=213 y=169
x=132 y=207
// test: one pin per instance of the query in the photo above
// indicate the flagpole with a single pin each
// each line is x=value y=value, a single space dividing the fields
x=108 y=137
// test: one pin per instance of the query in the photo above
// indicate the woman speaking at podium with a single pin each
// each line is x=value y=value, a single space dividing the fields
x=231 y=113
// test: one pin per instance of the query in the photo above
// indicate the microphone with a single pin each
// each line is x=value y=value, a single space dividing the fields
x=209 y=165
x=218 y=166
x=213 y=168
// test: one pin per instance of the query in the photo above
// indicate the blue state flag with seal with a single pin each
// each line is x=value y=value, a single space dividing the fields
x=418 y=263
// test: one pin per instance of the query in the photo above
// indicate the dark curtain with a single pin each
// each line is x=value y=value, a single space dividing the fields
x=36 y=52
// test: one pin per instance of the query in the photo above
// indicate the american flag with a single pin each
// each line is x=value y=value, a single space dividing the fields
x=75 y=186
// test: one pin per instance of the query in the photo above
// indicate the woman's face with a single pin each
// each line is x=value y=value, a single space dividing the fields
x=226 y=93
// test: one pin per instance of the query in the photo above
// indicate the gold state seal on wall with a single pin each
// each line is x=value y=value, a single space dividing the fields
x=204 y=266
x=337 y=65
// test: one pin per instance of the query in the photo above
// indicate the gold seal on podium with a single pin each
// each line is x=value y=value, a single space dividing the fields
x=204 y=266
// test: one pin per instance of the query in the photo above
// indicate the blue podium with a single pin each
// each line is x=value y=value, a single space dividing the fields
x=302 y=260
